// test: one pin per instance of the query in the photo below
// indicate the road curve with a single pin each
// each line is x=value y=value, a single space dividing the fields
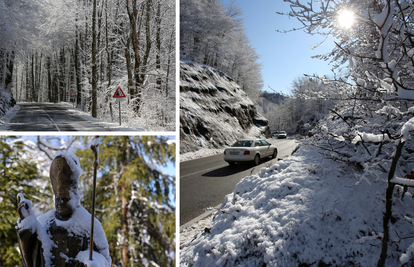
x=205 y=182
x=50 y=117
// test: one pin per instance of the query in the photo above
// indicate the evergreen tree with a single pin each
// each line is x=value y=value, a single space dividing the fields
x=135 y=200
x=18 y=172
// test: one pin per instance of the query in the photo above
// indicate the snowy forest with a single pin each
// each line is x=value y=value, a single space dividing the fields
x=363 y=145
x=214 y=35
x=50 y=50
x=302 y=108
x=135 y=200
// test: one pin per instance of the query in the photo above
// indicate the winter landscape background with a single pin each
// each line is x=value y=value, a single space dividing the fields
x=343 y=198
x=82 y=51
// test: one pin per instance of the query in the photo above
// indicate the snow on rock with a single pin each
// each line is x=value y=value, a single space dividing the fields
x=303 y=211
x=214 y=111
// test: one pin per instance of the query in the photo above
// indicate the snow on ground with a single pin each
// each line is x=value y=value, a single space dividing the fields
x=191 y=232
x=4 y=120
x=204 y=152
x=88 y=117
x=305 y=210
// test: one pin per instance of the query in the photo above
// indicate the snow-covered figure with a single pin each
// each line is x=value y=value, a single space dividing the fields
x=61 y=236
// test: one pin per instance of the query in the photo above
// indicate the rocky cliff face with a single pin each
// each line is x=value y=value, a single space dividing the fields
x=214 y=111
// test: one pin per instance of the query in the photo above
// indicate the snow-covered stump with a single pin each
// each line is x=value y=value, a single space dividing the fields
x=61 y=236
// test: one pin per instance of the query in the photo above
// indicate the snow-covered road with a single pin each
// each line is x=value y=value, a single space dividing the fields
x=54 y=117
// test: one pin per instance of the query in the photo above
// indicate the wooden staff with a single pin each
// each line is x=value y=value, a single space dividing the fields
x=95 y=149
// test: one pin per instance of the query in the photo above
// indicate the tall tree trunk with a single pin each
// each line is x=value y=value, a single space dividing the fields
x=77 y=72
x=21 y=86
x=33 y=80
x=94 y=67
x=133 y=18
x=158 y=44
x=109 y=60
x=28 y=98
x=16 y=85
x=49 y=80
x=129 y=68
x=124 y=220
x=9 y=71
x=170 y=52
x=39 y=80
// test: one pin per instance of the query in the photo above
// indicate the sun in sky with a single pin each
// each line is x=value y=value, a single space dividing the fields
x=346 y=19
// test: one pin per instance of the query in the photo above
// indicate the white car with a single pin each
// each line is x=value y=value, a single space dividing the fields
x=282 y=134
x=249 y=150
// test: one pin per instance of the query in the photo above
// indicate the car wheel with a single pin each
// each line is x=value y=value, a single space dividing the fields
x=257 y=159
x=231 y=163
x=274 y=154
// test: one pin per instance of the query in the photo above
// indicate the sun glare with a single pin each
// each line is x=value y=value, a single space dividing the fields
x=346 y=19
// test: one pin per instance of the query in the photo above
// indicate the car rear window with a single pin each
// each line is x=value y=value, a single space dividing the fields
x=243 y=144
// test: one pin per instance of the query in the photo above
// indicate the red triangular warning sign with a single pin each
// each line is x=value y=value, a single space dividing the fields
x=119 y=93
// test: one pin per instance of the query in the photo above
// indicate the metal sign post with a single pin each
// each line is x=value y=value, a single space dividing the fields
x=73 y=95
x=119 y=105
x=59 y=94
x=119 y=94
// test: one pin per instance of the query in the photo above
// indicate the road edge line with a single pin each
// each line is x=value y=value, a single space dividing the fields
x=200 y=217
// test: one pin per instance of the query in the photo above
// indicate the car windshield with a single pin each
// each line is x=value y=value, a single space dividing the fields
x=282 y=132
x=243 y=143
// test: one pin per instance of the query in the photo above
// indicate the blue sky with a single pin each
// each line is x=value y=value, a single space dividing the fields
x=284 y=56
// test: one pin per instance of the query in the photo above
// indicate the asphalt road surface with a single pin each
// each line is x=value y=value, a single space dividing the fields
x=49 y=117
x=205 y=182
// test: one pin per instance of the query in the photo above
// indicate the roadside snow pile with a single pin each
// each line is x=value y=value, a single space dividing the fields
x=214 y=111
x=306 y=210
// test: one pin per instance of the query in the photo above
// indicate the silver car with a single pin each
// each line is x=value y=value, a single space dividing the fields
x=249 y=150
x=281 y=134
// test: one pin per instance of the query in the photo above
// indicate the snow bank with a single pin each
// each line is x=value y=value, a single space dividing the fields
x=304 y=210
